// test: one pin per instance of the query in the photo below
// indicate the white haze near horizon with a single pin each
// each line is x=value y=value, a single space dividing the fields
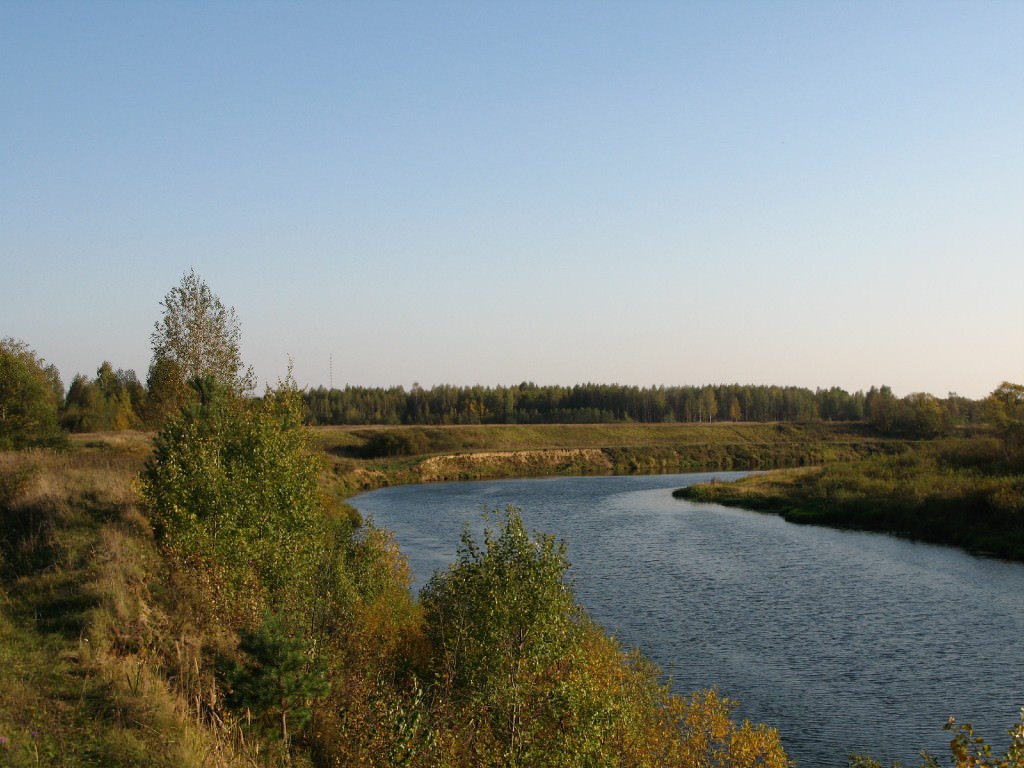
x=792 y=193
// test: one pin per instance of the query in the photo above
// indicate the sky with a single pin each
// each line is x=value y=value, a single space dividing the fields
x=814 y=193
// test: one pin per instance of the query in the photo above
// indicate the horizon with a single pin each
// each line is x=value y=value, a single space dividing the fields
x=793 y=194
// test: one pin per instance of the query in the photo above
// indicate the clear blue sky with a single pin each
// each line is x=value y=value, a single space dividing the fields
x=807 y=193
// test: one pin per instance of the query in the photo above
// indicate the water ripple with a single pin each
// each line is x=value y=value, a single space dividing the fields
x=845 y=641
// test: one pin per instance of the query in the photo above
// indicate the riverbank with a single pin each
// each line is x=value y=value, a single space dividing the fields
x=364 y=458
x=957 y=492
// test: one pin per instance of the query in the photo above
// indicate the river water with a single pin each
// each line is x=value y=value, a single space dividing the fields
x=844 y=641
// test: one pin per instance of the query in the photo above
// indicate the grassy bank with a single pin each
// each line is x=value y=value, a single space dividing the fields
x=80 y=617
x=362 y=458
x=959 y=492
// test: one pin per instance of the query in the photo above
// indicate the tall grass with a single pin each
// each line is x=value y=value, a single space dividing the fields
x=960 y=492
x=94 y=662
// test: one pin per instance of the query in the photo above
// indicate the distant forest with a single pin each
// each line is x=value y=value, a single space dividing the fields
x=529 y=403
x=196 y=347
x=35 y=409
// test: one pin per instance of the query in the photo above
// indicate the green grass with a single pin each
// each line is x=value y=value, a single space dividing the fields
x=958 y=492
x=361 y=458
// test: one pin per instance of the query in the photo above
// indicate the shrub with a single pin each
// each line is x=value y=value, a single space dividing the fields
x=233 y=493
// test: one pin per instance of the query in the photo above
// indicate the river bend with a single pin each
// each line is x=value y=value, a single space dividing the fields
x=844 y=641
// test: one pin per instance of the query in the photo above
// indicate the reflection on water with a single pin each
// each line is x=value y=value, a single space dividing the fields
x=844 y=641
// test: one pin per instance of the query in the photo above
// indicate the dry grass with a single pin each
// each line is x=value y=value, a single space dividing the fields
x=506 y=437
x=361 y=458
x=96 y=665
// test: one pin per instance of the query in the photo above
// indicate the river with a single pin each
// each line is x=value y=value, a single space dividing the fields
x=844 y=641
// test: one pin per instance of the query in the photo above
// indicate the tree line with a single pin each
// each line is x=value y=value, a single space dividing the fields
x=33 y=399
x=198 y=336
x=529 y=403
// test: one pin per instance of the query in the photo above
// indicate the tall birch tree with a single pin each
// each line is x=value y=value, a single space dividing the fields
x=197 y=338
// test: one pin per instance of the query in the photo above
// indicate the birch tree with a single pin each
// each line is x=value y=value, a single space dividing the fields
x=197 y=337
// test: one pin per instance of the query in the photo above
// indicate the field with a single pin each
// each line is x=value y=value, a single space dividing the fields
x=361 y=458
